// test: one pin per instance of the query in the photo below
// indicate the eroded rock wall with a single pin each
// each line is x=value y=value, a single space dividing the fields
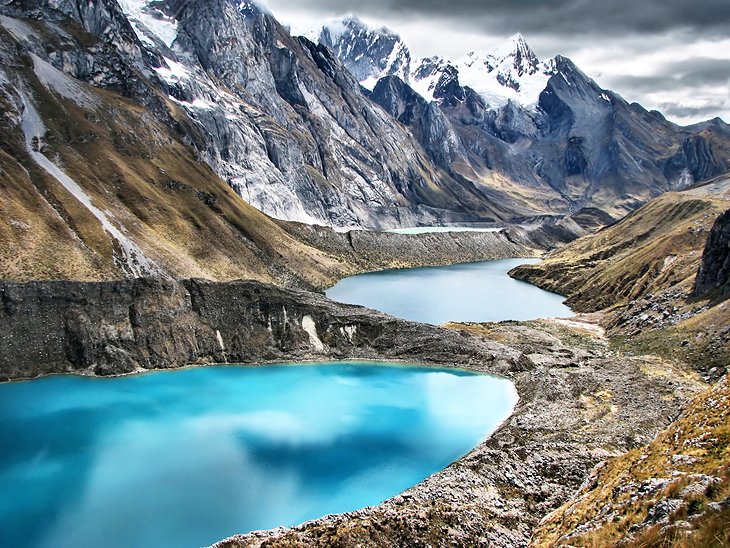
x=713 y=276
x=119 y=327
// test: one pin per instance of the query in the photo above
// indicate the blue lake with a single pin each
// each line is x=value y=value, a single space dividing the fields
x=473 y=292
x=185 y=458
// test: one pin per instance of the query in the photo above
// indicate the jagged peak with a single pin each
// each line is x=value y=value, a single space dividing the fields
x=350 y=22
x=515 y=49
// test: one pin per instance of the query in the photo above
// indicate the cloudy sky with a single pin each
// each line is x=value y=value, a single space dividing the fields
x=669 y=55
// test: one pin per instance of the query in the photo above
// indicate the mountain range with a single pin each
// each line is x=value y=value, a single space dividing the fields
x=132 y=125
x=548 y=137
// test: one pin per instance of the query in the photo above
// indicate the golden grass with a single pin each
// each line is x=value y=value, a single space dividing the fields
x=673 y=467
x=656 y=247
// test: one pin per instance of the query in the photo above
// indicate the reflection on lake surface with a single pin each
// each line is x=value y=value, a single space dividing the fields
x=473 y=292
x=188 y=457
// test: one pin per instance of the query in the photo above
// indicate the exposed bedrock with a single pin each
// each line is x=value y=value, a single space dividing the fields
x=713 y=277
x=118 y=327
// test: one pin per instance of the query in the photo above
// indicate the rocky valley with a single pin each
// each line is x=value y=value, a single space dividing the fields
x=181 y=180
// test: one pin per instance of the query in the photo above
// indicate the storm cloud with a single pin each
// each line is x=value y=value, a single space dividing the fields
x=540 y=16
x=668 y=55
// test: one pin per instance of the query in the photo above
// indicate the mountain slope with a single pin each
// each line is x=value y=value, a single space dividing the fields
x=641 y=272
x=91 y=196
x=279 y=119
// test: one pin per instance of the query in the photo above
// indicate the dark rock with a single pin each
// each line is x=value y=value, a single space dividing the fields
x=110 y=328
x=713 y=277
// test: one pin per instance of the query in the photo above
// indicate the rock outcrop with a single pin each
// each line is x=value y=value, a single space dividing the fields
x=109 y=328
x=713 y=277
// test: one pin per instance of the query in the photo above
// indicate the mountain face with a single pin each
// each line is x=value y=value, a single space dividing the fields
x=289 y=128
x=544 y=134
x=278 y=118
x=368 y=54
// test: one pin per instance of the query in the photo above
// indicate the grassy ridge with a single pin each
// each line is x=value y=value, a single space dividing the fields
x=656 y=247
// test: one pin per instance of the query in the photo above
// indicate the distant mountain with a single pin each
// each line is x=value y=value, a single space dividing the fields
x=542 y=132
x=368 y=53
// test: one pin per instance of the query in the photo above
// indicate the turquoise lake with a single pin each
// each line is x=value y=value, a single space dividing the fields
x=186 y=458
x=473 y=292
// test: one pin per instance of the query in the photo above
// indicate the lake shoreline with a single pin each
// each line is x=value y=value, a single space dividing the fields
x=552 y=439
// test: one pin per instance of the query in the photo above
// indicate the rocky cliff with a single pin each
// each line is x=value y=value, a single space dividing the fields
x=110 y=328
x=713 y=277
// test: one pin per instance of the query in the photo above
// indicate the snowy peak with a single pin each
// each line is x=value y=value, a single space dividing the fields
x=368 y=53
x=511 y=60
x=507 y=72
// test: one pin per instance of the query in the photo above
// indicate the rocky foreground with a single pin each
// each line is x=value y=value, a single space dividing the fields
x=580 y=403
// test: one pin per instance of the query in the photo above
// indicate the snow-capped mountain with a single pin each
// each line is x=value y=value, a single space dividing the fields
x=368 y=53
x=508 y=72
x=285 y=123
x=540 y=131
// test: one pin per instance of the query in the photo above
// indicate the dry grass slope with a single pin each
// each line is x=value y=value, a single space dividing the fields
x=654 y=248
x=673 y=492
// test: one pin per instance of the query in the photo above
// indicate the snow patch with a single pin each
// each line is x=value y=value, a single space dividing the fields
x=370 y=82
x=348 y=331
x=311 y=329
x=55 y=80
x=173 y=72
x=158 y=23
x=197 y=103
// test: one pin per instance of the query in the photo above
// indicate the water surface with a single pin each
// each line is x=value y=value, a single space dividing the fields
x=188 y=457
x=438 y=229
x=473 y=292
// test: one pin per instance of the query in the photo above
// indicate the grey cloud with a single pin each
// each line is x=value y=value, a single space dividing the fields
x=549 y=16
x=643 y=84
x=673 y=76
x=671 y=110
x=701 y=71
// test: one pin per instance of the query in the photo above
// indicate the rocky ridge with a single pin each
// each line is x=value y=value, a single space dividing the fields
x=713 y=276
x=128 y=326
